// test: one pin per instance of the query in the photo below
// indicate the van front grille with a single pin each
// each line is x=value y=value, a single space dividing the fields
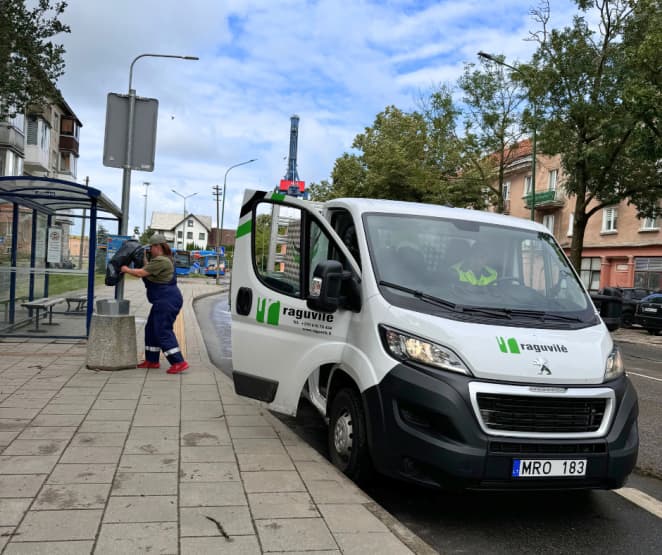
x=540 y=414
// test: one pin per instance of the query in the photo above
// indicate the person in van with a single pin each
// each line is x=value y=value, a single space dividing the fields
x=476 y=268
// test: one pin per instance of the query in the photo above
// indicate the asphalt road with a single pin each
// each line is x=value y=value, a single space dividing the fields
x=500 y=523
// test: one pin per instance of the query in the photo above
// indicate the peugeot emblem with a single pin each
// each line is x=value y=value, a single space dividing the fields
x=544 y=370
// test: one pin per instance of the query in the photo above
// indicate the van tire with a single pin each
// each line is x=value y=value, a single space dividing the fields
x=348 y=441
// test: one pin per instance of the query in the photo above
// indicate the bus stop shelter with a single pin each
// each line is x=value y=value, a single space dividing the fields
x=29 y=207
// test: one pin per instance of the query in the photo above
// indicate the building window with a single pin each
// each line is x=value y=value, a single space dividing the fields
x=506 y=190
x=68 y=163
x=590 y=273
x=527 y=185
x=610 y=220
x=190 y=223
x=189 y=235
x=553 y=176
x=571 y=224
x=649 y=224
x=180 y=235
x=201 y=236
x=548 y=222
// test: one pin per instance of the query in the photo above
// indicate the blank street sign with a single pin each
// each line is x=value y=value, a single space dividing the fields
x=144 y=132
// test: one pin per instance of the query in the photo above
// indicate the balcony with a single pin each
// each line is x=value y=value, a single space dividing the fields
x=12 y=138
x=69 y=143
x=546 y=199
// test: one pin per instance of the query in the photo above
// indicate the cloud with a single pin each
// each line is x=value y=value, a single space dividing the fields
x=336 y=64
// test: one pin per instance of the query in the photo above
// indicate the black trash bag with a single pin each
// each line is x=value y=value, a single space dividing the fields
x=131 y=252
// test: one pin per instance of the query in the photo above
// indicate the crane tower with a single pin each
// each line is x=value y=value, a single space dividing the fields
x=291 y=184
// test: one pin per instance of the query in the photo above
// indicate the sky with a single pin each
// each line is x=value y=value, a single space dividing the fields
x=334 y=63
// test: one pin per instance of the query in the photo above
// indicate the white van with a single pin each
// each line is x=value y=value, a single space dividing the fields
x=429 y=365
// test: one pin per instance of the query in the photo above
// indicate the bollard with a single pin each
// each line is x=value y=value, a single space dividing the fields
x=111 y=344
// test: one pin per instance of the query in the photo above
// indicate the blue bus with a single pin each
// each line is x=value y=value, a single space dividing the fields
x=206 y=263
x=182 y=261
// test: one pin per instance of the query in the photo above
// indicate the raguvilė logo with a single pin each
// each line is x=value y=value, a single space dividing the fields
x=272 y=313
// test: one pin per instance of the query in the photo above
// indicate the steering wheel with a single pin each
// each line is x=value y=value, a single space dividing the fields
x=508 y=279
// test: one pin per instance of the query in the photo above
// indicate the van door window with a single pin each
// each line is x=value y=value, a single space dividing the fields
x=343 y=224
x=277 y=247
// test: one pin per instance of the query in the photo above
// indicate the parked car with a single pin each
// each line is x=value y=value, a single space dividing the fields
x=649 y=313
x=631 y=297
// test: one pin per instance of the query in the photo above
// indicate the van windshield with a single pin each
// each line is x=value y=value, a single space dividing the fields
x=475 y=265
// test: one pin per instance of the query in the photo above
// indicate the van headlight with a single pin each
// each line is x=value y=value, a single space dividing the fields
x=405 y=347
x=614 y=367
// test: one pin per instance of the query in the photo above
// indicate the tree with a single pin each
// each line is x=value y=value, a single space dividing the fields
x=146 y=236
x=599 y=90
x=492 y=127
x=321 y=192
x=30 y=62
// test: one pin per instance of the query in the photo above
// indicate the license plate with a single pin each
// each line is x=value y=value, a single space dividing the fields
x=646 y=309
x=539 y=468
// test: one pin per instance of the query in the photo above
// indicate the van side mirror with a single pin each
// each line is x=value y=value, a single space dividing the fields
x=326 y=286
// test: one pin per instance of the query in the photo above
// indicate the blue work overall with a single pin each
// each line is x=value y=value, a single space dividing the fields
x=166 y=300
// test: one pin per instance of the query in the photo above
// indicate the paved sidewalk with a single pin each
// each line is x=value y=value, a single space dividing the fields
x=139 y=461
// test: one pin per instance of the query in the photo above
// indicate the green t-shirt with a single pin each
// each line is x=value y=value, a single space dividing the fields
x=160 y=269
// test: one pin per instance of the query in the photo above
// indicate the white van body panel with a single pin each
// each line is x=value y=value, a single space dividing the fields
x=478 y=346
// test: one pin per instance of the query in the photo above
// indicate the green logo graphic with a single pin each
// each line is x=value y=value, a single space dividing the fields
x=509 y=345
x=273 y=313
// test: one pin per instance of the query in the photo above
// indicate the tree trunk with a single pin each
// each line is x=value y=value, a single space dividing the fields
x=578 y=230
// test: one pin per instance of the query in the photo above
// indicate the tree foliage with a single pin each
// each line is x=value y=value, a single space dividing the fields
x=599 y=89
x=30 y=61
x=492 y=126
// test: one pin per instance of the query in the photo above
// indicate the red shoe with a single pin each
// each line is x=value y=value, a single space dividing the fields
x=148 y=364
x=177 y=367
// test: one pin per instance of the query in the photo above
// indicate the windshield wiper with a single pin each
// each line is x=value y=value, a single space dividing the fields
x=542 y=315
x=423 y=296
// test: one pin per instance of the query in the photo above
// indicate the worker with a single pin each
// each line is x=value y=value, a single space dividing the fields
x=158 y=274
x=475 y=268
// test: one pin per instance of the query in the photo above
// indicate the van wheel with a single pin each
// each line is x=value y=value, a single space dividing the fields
x=348 y=443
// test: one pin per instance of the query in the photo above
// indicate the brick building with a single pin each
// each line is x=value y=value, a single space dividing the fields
x=620 y=250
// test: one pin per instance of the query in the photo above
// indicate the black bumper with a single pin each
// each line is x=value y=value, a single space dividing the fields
x=422 y=428
x=648 y=322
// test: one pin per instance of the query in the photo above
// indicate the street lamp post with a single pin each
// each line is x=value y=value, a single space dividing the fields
x=184 y=197
x=146 y=184
x=126 y=171
x=219 y=235
x=533 y=131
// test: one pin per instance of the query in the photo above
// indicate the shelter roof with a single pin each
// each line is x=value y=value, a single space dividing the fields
x=49 y=195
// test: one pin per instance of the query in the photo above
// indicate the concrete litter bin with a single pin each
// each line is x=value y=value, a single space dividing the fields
x=111 y=344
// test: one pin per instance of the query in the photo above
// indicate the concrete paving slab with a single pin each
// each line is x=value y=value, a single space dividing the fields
x=99 y=439
x=213 y=453
x=215 y=494
x=72 y=496
x=205 y=521
x=282 y=505
x=157 y=537
x=91 y=473
x=271 y=481
x=209 y=472
x=27 y=464
x=149 y=463
x=304 y=534
x=148 y=508
x=350 y=518
x=145 y=483
x=98 y=426
x=59 y=525
x=48 y=432
x=50 y=548
x=252 y=462
x=21 y=485
x=58 y=420
x=233 y=545
x=371 y=542
x=12 y=510
x=84 y=454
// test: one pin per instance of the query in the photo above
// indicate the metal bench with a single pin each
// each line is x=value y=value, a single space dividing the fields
x=80 y=302
x=42 y=304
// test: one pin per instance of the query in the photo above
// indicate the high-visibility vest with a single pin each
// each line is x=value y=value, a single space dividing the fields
x=486 y=276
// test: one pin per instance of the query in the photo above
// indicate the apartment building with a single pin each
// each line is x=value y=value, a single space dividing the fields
x=620 y=249
x=44 y=142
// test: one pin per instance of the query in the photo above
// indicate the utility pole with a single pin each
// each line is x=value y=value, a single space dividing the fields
x=217 y=239
x=146 y=184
